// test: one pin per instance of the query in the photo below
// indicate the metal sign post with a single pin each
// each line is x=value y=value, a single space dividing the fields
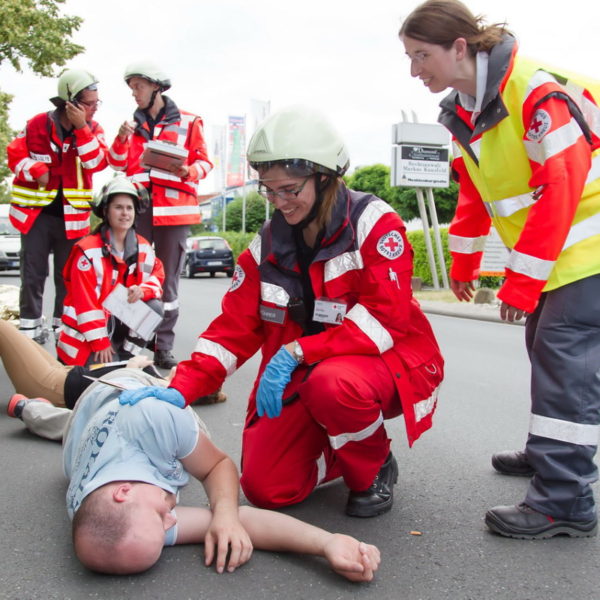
x=420 y=160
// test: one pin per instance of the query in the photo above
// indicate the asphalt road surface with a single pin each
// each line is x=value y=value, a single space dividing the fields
x=445 y=486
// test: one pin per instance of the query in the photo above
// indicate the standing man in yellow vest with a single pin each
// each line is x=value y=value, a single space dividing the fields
x=527 y=158
x=173 y=192
x=53 y=160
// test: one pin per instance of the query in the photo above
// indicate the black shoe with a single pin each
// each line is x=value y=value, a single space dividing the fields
x=525 y=523
x=379 y=497
x=164 y=359
x=512 y=463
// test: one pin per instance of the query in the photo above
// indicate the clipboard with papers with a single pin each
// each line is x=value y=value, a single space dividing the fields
x=138 y=316
x=163 y=155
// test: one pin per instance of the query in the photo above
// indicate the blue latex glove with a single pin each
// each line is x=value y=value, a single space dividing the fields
x=276 y=376
x=170 y=395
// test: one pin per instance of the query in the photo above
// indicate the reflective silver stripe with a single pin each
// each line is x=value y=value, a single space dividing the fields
x=93 y=162
x=371 y=327
x=591 y=112
x=69 y=311
x=30 y=323
x=254 y=248
x=269 y=292
x=466 y=245
x=74 y=333
x=348 y=261
x=372 y=213
x=226 y=358
x=85 y=148
x=129 y=346
x=67 y=348
x=76 y=225
x=95 y=334
x=337 y=441
x=476 y=147
x=554 y=142
x=167 y=211
x=117 y=157
x=94 y=254
x=204 y=167
x=22 y=168
x=456 y=151
x=537 y=79
x=321 y=468
x=141 y=177
x=425 y=407
x=89 y=315
x=174 y=305
x=583 y=230
x=164 y=175
x=594 y=172
x=509 y=206
x=564 y=431
x=534 y=267
x=18 y=214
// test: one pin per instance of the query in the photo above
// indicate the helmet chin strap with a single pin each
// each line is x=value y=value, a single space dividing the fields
x=152 y=99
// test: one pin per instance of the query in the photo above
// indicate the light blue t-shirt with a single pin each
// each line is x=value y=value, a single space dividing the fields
x=108 y=441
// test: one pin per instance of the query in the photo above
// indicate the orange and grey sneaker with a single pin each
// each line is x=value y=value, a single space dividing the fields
x=17 y=403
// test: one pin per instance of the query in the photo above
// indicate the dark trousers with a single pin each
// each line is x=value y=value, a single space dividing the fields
x=169 y=246
x=563 y=341
x=46 y=235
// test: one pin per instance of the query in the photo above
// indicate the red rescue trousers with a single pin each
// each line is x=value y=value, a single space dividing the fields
x=333 y=428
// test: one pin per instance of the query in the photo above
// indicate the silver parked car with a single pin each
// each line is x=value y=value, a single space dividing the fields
x=10 y=242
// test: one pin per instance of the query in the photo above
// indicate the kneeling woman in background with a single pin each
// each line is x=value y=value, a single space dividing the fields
x=113 y=254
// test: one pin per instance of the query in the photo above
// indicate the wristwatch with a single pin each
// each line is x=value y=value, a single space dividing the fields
x=297 y=353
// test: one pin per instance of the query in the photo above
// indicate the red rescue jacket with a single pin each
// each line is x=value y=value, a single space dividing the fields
x=91 y=273
x=364 y=261
x=69 y=163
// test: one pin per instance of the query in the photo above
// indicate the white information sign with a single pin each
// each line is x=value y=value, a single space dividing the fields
x=495 y=255
x=420 y=166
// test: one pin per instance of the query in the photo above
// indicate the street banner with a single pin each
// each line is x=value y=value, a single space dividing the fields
x=219 y=155
x=237 y=152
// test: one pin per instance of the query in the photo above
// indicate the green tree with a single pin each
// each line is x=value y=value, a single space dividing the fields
x=255 y=213
x=35 y=34
x=375 y=179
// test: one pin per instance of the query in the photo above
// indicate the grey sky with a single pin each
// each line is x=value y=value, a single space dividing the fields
x=342 y=56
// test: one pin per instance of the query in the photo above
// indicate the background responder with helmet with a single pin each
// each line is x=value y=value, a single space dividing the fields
x=113 y=255
x=174 y=202
x=53 y=160
x=324 y=387
x=527 y=159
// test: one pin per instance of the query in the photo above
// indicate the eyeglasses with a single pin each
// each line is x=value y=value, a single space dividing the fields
x=418 y=57
x=270 y=194
x=91 y=104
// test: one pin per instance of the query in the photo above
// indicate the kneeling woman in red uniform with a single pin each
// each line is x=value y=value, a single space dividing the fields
x=114 y=254
x=324 y=291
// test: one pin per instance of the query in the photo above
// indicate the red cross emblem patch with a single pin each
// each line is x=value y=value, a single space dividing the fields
x=391 y=245
x=237 y=279
x=539 y=126
x=83 y=264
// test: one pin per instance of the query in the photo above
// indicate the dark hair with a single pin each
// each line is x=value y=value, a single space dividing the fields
x=441 y=22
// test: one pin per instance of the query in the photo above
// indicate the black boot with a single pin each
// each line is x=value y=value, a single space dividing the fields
x=379 y=496
x=512 y=463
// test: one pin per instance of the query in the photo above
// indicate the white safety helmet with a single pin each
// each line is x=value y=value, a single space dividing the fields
x=150 y=71
x=120 y=185
x=71 y=83
x=299 y=137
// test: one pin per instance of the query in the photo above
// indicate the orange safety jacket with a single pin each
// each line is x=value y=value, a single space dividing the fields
x=174 y=200
x=364 y=262
x=91 y=273
x=70 y=163
x=531 y=165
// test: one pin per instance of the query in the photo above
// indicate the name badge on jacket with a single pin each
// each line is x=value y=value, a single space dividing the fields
x=329 y=311
x=272 y=314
